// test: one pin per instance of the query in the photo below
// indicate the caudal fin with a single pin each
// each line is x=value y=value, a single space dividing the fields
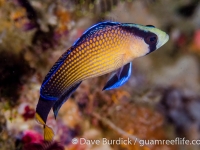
x=48 y=132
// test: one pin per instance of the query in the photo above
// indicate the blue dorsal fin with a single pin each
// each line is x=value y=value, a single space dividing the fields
x=120 y=77
x=63 y=98
x=93 y=29
x=56 y=66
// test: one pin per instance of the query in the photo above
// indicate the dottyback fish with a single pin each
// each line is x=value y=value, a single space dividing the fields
x=104 y=48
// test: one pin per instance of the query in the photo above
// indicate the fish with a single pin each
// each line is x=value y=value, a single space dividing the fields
x=106 y=47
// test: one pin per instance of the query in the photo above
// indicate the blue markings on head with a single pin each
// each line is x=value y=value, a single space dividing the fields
x=93 y=29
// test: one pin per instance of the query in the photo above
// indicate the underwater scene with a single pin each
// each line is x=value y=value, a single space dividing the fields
x=100 y=75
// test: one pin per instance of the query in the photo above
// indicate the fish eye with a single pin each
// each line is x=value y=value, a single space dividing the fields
x=150 y=26
x=152 y=39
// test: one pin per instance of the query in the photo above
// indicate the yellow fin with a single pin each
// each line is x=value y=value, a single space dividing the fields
x=39 y=119
x=48 y=132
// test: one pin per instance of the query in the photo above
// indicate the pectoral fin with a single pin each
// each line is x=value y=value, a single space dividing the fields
x=120 y=77
x=63 y=98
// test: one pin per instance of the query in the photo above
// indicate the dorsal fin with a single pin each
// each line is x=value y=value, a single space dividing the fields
x=93 y=29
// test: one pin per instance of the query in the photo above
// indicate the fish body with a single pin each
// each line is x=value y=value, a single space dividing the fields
x=103 y=48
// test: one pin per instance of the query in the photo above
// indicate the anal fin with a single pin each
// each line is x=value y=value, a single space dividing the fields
x=63 y=98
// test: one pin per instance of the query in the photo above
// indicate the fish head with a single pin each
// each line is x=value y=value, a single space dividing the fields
x=155 y=37
x=144 y=39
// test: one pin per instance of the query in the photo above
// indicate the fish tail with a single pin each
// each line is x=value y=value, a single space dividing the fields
x=42 y=110
x=48 y=132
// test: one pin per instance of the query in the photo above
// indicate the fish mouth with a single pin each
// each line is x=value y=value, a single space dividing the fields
x=162 y=39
